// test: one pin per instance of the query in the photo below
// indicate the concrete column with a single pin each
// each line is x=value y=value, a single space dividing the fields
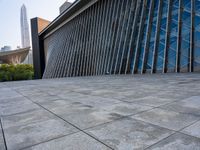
x=37 y=25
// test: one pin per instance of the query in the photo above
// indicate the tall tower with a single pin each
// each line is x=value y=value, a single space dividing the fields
x=65 y=6
x=25 y=38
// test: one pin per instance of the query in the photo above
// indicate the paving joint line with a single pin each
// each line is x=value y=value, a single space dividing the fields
x=69 y=123
x=189 y=126
x=175 y=132
x=123 y=117
x=179 y=131
x=59 y=137
x=128 y=101
x=189 y=135
x=159 y=141
x=140 y=120
x=75 y=126
x=2 y=130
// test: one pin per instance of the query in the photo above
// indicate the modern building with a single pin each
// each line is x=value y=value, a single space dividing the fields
x=97 y=37
x=14 y=56
x=64 y=6
x=25 y=37
x=5 y=48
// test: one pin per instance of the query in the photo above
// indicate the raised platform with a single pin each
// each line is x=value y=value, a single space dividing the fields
x=102 y=113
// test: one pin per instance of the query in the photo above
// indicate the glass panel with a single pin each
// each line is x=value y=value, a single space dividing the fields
x=162 y=36
x=152 y=39
x=185 y=42
x=173 y=37
x=197 y=7
x=133 y=44
x=141 y=50
x=197 y=36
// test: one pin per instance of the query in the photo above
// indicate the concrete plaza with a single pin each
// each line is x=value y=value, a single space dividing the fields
x=160 y=112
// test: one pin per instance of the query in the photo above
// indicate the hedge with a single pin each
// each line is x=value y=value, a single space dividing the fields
x=16 y=72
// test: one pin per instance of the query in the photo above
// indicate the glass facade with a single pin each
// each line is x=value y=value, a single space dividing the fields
x=197 y=35
x=172 y=51
x=162 y=39
x=126 y=37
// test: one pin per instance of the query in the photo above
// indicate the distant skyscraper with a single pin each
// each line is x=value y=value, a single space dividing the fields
x=64 y=6
x=25 y=39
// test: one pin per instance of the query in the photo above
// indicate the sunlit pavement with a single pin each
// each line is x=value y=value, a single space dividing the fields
x=105 y=112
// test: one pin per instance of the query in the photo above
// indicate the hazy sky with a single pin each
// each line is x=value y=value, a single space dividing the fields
x=10 y=33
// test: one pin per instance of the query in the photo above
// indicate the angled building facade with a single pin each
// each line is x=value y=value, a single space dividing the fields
x=25 y=37
x=122 y=37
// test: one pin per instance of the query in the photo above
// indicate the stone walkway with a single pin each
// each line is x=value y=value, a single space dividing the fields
x=102 y=113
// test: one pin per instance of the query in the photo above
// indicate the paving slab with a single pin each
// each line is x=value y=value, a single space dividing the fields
x=85 y=116
x=193 y=130
x=70 y=95
x=16 y=105
x=154 y=101
x=187 y=106
x=168 y=119
x=178 y=141
x=30 y=128
x=126 y=109
x=50 y=105
x=29 y=91
x=8 y=93
x=127 y=134
x=71 y=142
x=43 y=98
x=93 y=101
x=123 y=112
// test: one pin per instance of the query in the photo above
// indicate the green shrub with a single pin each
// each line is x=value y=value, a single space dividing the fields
x=16 y=72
